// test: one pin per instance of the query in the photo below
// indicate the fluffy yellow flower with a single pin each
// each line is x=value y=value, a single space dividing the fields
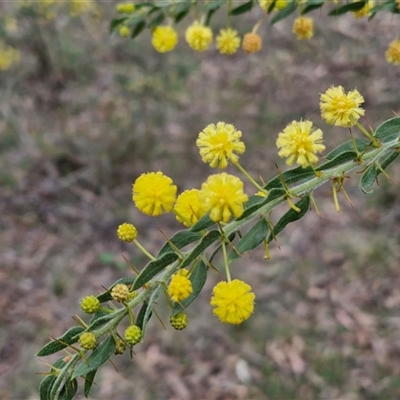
x=233 y=301
x=164 y=38
x=339 y=108
x=251 y=43
x=124 y=31
x=222 y=196
x=188 y=208
x=300 y=143
x=393 y=52
x=198 y=36
x=154 y=193
x=219 y=143
x=266 y=4
x=127 y=232
x=8 y=56
x=228 y=41
x=303 y=27
x=180 y=287
x=364 y=11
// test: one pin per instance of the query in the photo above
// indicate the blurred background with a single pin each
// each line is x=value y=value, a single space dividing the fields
x=83 y=113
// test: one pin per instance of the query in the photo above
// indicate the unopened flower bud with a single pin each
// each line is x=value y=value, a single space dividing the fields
x=87 y=340
x=90 y=304
x=120 y=347
x=179 y=321
x=120 y=293
x=133 y=334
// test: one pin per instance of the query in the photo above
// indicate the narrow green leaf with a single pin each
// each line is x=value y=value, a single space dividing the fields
x=291 y=216
x=69 y=390
x=137 y=30
x=181 y=10
x=290 y=176
x=312 y=5
x=339 y=159
x=98 y=357
x=116 y=22
x=106 y=296
x=282 y=14
x=45 y=387
x=251 y=239
x=389 y=129
x=198 y=278
x=153 y=268
x=272 y=195
x=202 y=224
x=243 y=8
x=89 y=380
x=356 y=6
x=140 y=322
x=69 y=337
x=206 y=242
x=98 y=322
x=156 y=21
x=179 y=240
x=361 y=145
x=214 y=5
x=371 y=174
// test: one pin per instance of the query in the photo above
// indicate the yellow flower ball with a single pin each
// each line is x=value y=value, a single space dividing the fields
x=198 y=36
x=164 y=38
x=228 y=41
x=188 y=208
x=339 y=108
x=223 y=197
x=392 y=54
x=154 y=193
x=219 y=144
x=233 y=301
x=180 y=287
x=127 y=232
x=303 y=27
x=300 y=143
x=251 y=43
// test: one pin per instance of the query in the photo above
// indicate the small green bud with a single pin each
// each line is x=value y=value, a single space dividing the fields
x=132 y=295
x=120 y=293
x=133 y=334
x=87 y=340
x=179 y=321
x=125 y=8
x=120 y=347
x=90 y=304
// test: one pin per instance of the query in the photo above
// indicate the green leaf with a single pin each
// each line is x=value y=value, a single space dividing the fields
x=181 y=10
x=371 y=174
x=45 y=387
x=272 y=195
x=390 y=6
x=205 y=242
x=89 y=380
x=179 y=240
x=198 y=278
x=290 y=176
x=282 y=14
x=106 y=296
x=361 y=145
x=156 y=21
x=116 y=22
x=213 y=5
x=69 y=390
x=243 y=8
x=202 y=224
x=251 y=239
x=356 y=6
x=153 y=268
x=312 y=5
x=388 y=130
x=137 y=30
x=98 y=321
x=291 y=216
x=69 y=337
x=98 y=357
x=340 y=159
x=140 y=322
